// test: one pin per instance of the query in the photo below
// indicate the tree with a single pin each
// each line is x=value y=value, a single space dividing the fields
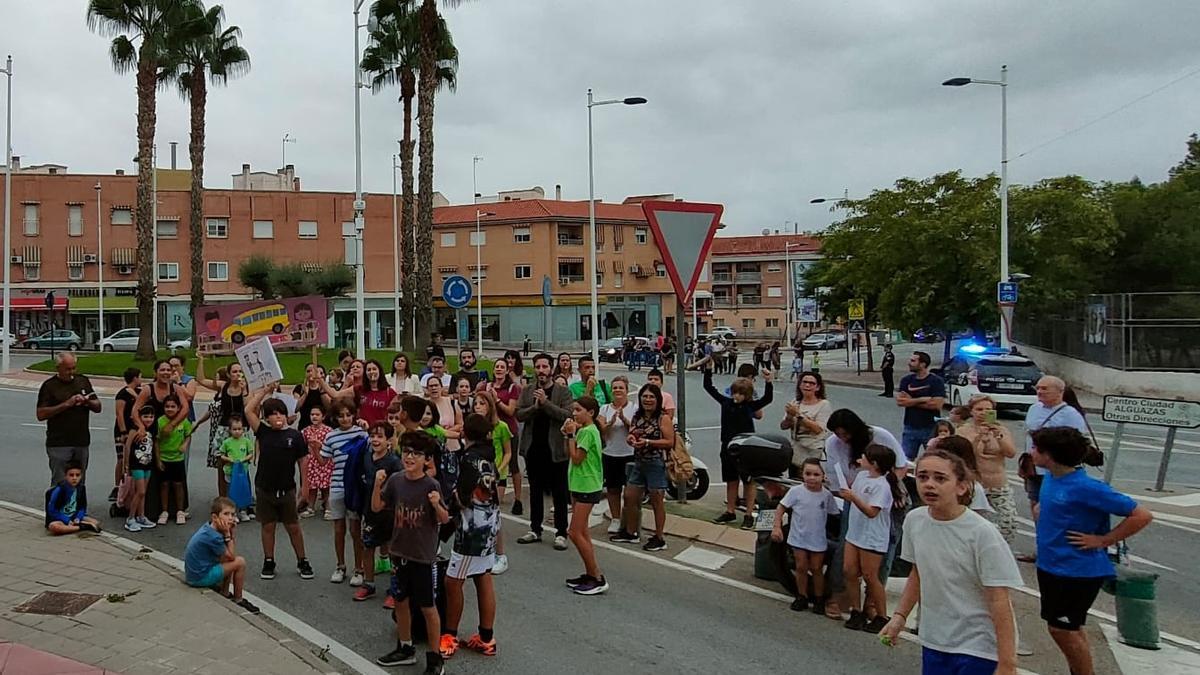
x=255 y=273
x=203 y=49
x=260 y=274
x=335 y=279
x=153 y=22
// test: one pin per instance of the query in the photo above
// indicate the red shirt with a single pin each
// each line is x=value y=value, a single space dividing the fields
x=508 y=395
x=373 y=404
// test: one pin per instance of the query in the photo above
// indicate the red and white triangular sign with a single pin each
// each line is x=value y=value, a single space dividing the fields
x=683 y=232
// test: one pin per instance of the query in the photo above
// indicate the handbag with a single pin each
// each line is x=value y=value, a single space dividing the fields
x=679 y=461
x=239 y=486
x=1025 y=466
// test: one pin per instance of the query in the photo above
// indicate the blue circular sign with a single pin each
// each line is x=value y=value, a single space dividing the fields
x=547 y=297
x=456 y=291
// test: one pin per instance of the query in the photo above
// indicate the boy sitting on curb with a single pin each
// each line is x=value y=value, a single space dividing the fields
x=210 y=560
x=66 y=504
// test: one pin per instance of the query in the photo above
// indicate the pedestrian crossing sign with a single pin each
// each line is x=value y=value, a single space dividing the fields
x=858 y=326
x=857 y=309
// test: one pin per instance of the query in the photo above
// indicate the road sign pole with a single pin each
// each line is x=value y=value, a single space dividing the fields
x=1166 y=459
x=858 y=353
x=1110 y=463
x=680 y=390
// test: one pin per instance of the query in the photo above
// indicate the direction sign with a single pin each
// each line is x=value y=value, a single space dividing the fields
x=1158 y=412
x=683 y=232
x=858 y=326
x=857 y=309
x=1006 y=293
x=456 y=291
x=547 y=296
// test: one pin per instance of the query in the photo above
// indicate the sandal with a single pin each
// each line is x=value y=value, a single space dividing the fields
x=833 y=611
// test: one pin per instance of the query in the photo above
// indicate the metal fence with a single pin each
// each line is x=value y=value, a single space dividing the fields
x=1128 y=331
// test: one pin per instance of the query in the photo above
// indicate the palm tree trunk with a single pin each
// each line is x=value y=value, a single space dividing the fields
x=146 y=122
x=410 y=267
x=427 y=85
x=199 y=100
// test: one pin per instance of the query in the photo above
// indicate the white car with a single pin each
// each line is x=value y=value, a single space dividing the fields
x=5 y=337
x=124 y=340
x=724 y=331
x=1010 y=380
x=176 y=345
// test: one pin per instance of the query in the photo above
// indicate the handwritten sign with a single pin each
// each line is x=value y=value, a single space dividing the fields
x=1158 y=412
x=259 y=363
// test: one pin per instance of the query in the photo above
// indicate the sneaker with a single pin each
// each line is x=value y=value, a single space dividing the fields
x=747 y=522
x=614 y=526
x=433 y=667
x=726 y=517
x=655 y=543
x=268 y=569
x=857 y=620
x=476 y=644
x=243 y=517
x=518 y=508
x=162 y=518
x=306 y=513
x=328 y=515
x=623 y=537
x=146 y=523
x=592 y=586
x=501 y=565
x=180 y=517
x=875 y=625
x=1023 y=649
x=741 y=504
x=250 y=512
x=389 y=602
x=305 y=569
x=364 y=592
x=530 y=537
x=112 y=496
x=247 y=605
x=338 y=576
x=560 y=543
x=818 y=606
x=447 y=646
x=356 y=579
x=578 y=581
x=799 y=604
x=400 y=656
x=132 y=525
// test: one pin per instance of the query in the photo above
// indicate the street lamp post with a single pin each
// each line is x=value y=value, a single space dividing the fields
x=395 y=260
x=479 y=278
x=154 y=219
x=8 y=332
x=595 y=315
x=360 y=205
x=1003 y=84
x=100 y=262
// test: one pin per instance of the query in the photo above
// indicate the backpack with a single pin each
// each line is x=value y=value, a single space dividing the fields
x=679 y=461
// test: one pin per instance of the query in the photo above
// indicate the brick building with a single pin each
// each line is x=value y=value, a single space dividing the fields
x=750 y=286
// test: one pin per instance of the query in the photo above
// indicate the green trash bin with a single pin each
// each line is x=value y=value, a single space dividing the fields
x=1137 y=615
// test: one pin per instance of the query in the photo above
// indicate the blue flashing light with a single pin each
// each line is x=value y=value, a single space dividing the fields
x=972 y=348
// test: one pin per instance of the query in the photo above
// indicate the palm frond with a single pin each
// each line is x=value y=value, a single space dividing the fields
x=123 y=55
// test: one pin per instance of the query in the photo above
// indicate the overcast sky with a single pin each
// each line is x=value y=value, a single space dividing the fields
x=757 y=105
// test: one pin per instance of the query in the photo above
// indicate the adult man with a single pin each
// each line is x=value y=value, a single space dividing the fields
x=588 y=385
x=437 y=368
x=886 y=368
x=63 y=403
x=466 y=368
x=921 y=395
x=435 y=347
x=1049 y=411
x=543 y=408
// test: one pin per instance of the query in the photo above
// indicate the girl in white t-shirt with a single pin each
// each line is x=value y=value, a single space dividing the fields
x=871 y=496
x=810 y=505
x=962 y=570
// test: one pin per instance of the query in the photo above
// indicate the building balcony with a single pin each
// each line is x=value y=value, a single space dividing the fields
x=748 y=277
x=569 y=240
x=722 y=277
x=728 y=302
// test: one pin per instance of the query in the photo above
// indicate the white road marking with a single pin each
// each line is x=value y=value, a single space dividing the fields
x=1134 y=558
x=1166 y=660
x=702 y=557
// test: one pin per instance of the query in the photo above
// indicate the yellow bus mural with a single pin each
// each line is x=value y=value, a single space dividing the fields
x=257 y=321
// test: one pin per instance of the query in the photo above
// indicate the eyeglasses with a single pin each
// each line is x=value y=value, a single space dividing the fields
x=409 y=452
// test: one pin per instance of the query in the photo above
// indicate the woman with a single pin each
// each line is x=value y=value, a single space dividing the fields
x=312 y=394
x=446 y=413
x=160 y=388
x=993 y=445
x=516 y=367
x=806 y=417
x=351 y=386
x=651 y=434
x=507 y=389
x=403 y=379
x=774 y=356
x=565 y=369
x=230 y=400
x=614 y=422
x=668 y=355
x=374 y=394
x=124 y=421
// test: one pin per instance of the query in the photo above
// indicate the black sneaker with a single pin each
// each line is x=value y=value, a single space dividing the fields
x=247 y=605
x=400 y=656
x=268 y=570
x=518 y=508
x=800 y=604
x=434 y=664
x=875 y=625
x=857 y=620
x=624 y=537
x=592 y=586
x=305 y=569
x=577 y=581
x=725 y=518
x=747 y=522
x=112 y=496
x=818 y=606
x=655 y=544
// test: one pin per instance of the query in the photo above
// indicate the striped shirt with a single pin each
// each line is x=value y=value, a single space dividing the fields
x=334 y=447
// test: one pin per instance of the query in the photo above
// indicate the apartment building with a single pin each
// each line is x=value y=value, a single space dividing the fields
x=751 y=284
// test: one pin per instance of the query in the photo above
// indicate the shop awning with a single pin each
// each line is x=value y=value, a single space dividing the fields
x=123 y=257
x=617 y=266
x=34 y=304
x=311 y=267
x=477 y=267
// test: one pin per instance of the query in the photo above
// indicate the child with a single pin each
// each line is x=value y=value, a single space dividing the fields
x=962 y=570
x=236 y=450
x=139 y=461
x=473 y=553
x=376 y=527
x=585 y=479
x=501 y=440
x=66 y=504
x=810 y=505
x=655 y=377
x=737 y=417
x=463 y=403
x=941 y=429
x=318 y=471
x=797 y=366
x=959 y=415
x=210 y=560
x=874 y=491
x=336 y=448
x=168 y=450
x=414 y=499
x=964 y=450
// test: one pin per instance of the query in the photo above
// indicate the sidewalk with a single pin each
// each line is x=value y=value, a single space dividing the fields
x=138 y=617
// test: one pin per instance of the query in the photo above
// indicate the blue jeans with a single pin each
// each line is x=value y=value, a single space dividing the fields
x=913 y=439
x=934 y=662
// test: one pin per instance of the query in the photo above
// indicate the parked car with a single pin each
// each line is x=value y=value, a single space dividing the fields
x=610 y=350
x=121 y=341
x=5 y=337
x=176 y=345
x=1009 y=379
x=726 y=332
x=55 y=339
x=825 y=341
x=928 y=335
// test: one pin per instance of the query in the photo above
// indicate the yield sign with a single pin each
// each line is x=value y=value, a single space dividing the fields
x=683 y=232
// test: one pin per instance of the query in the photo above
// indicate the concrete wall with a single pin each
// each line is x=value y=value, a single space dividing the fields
x=1100 y=380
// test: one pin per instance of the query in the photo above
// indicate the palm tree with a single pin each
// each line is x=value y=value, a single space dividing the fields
x=204 y=47
x=154 y=22
x=390 y=59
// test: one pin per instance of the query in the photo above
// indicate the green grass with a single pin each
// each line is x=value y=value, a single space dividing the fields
x=114 y=364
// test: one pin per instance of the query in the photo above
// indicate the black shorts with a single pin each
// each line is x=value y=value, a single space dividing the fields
x=414 y=581
x=1066 y=600
x=729 y=471
x=275 y=507
x=376 y=528
x=588 y=497
x=614 y=471
x=173 y=472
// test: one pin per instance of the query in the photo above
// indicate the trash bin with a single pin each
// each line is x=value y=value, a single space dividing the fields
x=764 y=563
x=1137 y=615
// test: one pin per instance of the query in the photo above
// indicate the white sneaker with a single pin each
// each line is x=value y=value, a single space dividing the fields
x=614 y=526
x=560 y=543
x=338 y=576
x=501 y=565
x=132 y=525
x=180 y=517
x=242 y=517
x=356 y=579
x=162 y=518
x=145 y=523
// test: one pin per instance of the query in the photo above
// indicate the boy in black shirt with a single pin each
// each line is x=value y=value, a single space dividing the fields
x=737 y=417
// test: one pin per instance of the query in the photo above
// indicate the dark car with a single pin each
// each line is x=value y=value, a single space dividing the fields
x=928 y=335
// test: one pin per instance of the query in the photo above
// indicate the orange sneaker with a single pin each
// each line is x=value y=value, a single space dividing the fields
x=476 y=643
x=448 y=645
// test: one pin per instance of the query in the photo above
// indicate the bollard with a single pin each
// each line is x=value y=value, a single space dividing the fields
x=1137 y=614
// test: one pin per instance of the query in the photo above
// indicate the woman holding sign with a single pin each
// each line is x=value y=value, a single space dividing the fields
x=231 y=391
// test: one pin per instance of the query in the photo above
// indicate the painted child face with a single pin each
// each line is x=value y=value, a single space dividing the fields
x=463 y=389
x=813 y=476
x=74 y=476
x=236 y=429
x=427 y=418
x=482 y=407
x=944 y=433
x=937 y=483
x=277 y=420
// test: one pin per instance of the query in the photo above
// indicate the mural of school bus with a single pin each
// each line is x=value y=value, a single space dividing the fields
x=256 y=321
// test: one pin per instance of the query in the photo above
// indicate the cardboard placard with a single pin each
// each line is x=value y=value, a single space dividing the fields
x=259 y=363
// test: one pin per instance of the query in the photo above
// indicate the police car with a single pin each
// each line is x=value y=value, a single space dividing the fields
x=1010 y=379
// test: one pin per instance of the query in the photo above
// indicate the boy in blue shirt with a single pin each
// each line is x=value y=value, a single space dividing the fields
x=210 y=560
x=66 y=504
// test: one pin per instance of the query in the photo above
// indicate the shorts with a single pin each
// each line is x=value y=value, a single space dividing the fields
x=276 y=507
x=174 y=472
x=376 y=529
x=469 y=566
x=912 y=439
x=336 y=507
x=588 y=497
x=934 y=662
x=614 y=471
x=648 y=473
x=1033 y=488
x=140 y=474
x=1066 y=600
x=210 y=579
x=729 y=470
x=413 y=581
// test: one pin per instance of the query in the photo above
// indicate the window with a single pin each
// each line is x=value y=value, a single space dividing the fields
x=75 y=220
x=571 y=271
x=772 y=323
x=618 y=279
x=660 y=271
x=523 y=272
x=122 y=216
x=718 y=323
x=307 y=229
x=522 y=235
x=599 y=279
x=478 y=238
x=774 y=267
x=570 y=235
x=640 y=235
x=449 y=240
x=168 y=271
x=218 y=271
x=75 y=272
x=264 y=229
x=218 y=228
x=774 y=291
x=168 y=229
x=31 y=221
x=747 y=323
x=478 y=275
x=32 y=272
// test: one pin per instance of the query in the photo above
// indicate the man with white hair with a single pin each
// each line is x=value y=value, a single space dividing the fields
x=1049 y=411
x=64 y=402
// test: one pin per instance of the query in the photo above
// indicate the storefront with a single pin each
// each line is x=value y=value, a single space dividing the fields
x=508 y=320
x=120 y=312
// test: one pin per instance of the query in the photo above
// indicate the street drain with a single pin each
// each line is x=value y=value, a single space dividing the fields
x=57 y=603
